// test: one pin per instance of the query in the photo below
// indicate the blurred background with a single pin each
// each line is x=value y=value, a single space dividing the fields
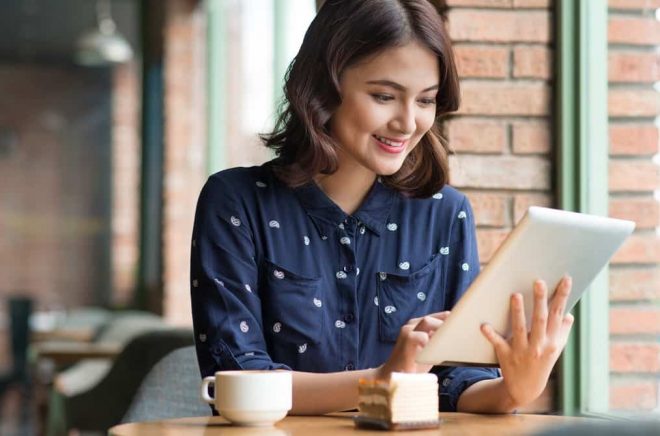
x=114 y=112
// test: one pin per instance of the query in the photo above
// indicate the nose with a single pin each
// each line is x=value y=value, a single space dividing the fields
x=404 y=122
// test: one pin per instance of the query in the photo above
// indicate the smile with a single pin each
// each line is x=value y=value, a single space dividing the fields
x=390 y=142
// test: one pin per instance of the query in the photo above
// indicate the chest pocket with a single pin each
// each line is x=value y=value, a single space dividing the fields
x=292 y=306
x=402 y=297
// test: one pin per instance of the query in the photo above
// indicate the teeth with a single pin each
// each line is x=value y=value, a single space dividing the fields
x=388 y=142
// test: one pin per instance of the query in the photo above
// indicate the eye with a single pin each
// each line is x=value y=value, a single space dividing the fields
x=382 y=98
x=427 y=101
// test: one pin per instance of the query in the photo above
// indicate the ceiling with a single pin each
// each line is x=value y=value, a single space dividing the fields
x=46 y=30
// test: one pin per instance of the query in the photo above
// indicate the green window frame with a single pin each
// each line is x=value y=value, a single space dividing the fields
x=582 y=175
x=216 y=84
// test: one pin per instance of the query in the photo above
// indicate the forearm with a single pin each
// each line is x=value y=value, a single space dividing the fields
x=486 y=396
x=316 y=394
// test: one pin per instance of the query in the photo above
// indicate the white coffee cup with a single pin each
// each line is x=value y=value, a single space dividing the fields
x=254 y=398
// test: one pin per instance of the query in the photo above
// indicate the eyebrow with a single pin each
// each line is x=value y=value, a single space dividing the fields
x=398 y=86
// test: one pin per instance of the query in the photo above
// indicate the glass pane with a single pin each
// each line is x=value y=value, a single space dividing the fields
x=64 y=128
x=634 y=114
x=252 y=86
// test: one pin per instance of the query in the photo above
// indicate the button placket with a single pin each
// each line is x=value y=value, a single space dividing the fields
x=345 y=322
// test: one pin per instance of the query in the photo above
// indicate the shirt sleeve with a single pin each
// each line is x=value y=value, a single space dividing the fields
x=226 y=307
x=462 y=269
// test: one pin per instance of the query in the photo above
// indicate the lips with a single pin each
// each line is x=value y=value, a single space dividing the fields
x=390 y=145
x=390 y=142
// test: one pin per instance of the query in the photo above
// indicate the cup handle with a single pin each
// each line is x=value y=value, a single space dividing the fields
x=205 y=389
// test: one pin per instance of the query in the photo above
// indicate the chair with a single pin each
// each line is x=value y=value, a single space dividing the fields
x=20 y=309
x=96 y=397
x=170 y=390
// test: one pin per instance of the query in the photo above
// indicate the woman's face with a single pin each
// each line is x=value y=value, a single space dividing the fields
x=388 y=104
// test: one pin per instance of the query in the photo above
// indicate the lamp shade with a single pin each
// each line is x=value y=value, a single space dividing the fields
x=98 y=48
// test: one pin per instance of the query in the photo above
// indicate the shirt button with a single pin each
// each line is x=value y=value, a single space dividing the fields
x=349 y=268
x=349 y=317
x=349 y=366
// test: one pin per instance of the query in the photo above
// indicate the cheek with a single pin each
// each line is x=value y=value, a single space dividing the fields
x=425 y=123
x=354 y=119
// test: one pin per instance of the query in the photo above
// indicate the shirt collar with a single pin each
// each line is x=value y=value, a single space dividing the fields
x=373 y=212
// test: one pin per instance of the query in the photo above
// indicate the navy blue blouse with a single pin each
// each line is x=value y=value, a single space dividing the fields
x=283 y=278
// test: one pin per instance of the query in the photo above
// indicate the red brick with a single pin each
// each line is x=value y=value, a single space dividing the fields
x=531 y=137
x=634 y=320
x=633 y=67
x=640 y=249
x=633 y=102
x=476 y=135
x=532 y=61
x=634 y=395
x=500 y=172
x=482 y=61
x=633 y=139
x=481 y=98
x=628 y=284
x=646 y=5
x=490 y=209
x=184 y=35
x=480 y=3
x=644 y=211
x=522 y=202
x=633 y=30
x=634 y=357
x=633 y=175
x=488 y=241
x=545 y=4
x=499 y=26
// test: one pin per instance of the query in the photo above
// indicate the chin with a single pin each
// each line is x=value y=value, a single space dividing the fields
x=388 y=170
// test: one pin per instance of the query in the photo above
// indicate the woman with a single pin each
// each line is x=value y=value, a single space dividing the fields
x=340 y=258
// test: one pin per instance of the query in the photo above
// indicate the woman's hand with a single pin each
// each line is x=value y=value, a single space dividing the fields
x=414 y=335
x=527 y=358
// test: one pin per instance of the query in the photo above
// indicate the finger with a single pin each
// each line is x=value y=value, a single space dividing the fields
x=416 y=340
x=518 y=322
x=439 y=315
x=498 y=342
x=428 y=324
x=566 y=325
x=558 y=305
x=539 y=314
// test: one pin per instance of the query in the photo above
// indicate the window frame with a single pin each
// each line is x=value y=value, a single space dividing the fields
x=582 y=176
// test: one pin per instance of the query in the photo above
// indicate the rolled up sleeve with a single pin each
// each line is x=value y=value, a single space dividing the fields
x=226 y=304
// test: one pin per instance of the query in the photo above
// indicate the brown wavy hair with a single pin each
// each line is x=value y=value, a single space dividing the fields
x=343 y=33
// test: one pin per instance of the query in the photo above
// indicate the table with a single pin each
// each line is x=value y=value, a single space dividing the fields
x=338 y=424
x=72 y=352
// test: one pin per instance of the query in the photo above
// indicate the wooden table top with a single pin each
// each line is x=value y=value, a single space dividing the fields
x=453 y=424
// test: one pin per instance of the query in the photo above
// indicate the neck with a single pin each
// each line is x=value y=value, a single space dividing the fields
x=347 y=187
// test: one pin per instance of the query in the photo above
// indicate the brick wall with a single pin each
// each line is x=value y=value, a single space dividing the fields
x=126 y=154
x=634 y=64
x=502 y=132
x=185 y=147
x=52 y=225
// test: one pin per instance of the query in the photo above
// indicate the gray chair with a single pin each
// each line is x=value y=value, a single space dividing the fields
x=170 y=390
x=75 y=403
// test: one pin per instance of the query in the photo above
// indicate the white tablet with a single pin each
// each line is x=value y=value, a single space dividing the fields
x=546 y=244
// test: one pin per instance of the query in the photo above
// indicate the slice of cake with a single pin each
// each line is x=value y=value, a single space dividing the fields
x=405 y=401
